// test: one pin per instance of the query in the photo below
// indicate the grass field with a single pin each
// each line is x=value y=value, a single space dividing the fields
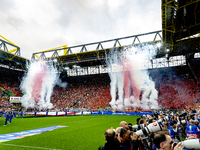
x=82 y=133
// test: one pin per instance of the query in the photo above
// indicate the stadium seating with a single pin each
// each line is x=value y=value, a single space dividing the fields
x=175 y=85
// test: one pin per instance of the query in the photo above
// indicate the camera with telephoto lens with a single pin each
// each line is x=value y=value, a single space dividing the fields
x=151 y=128
x=183 y=114
x=189 y=144
x=154 y=118
x=196 y=122
x=163 y=119
x=183 y=121
x=139 y=126
x=192 y=116
x=155 y=115
x=182 y=118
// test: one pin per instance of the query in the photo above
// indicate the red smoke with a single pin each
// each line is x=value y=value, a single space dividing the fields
x=37 y=84
x=129 y=80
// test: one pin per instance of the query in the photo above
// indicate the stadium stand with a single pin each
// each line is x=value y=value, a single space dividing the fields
x=84 y=91
x=175 y=87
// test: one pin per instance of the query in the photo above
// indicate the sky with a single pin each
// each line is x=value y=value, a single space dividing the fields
x=37 y=25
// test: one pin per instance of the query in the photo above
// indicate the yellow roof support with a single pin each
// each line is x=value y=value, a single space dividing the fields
x=64 y=47
x=36 y=56
x=8 y=40
x=14 y=50
x=65 y=50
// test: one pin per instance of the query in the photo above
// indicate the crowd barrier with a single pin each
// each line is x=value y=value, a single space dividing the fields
x=62 y=113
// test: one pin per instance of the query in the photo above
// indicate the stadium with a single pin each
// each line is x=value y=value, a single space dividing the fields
x=78 y=92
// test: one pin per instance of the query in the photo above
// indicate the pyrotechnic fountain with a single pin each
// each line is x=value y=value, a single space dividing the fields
x=132 y=84
x=38 y=83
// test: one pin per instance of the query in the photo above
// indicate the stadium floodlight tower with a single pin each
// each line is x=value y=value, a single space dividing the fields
x=181 y=28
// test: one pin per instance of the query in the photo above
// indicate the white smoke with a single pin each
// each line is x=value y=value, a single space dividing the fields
x=61 y=84
x=132 y=84
x=38 y=83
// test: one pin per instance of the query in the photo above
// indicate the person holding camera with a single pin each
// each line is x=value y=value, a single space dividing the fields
x=123 y=124
x=122 y=139
x=145 y=132
x=183 y=124
x=173 y=131
x=112 y=142
x=180 y=129
x=173 y=118
x=163 y=141
x=129 y=140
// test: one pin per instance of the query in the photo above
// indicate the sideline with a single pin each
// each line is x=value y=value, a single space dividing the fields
x=28 y=146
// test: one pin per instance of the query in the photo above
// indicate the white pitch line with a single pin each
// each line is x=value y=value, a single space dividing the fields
x=29 y=146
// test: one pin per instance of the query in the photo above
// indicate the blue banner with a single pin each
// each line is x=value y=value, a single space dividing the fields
x=84 y=113
x=129 y=113
x=18 y=135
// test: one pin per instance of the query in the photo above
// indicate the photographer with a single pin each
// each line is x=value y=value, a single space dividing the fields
x=111 y=141
x=117 y=132
x=123 y=124
x=183 y=125
x=146 y=132
x=151 y=120
x=164 y=142
x=147 y=140
x=129 y=140
x=196 y=122
x=143 y=121
x=180 y=129
x=173 y=118
x=192 y=129
x=173 y=131
x=165 y=125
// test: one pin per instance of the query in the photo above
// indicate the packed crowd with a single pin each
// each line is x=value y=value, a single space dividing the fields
x=168 y=130
x=9 y=86
x=85 y=92
x=10 y=81
x=176 y=88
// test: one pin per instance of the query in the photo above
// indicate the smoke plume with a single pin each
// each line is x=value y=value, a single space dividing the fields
x=38 y=83
x=130 y=85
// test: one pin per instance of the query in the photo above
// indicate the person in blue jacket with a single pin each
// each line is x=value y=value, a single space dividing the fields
x=171 y=131
x=10 y=117
x=14 y=114
x=21 y=114
x=191 y=129
x=6 y=114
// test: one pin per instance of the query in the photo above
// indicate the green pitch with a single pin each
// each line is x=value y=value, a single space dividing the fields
x=82 y=133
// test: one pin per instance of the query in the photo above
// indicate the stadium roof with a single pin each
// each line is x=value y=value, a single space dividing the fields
x=10 y=55
x=181 y=26
x=179 y=36
x=93 y=54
